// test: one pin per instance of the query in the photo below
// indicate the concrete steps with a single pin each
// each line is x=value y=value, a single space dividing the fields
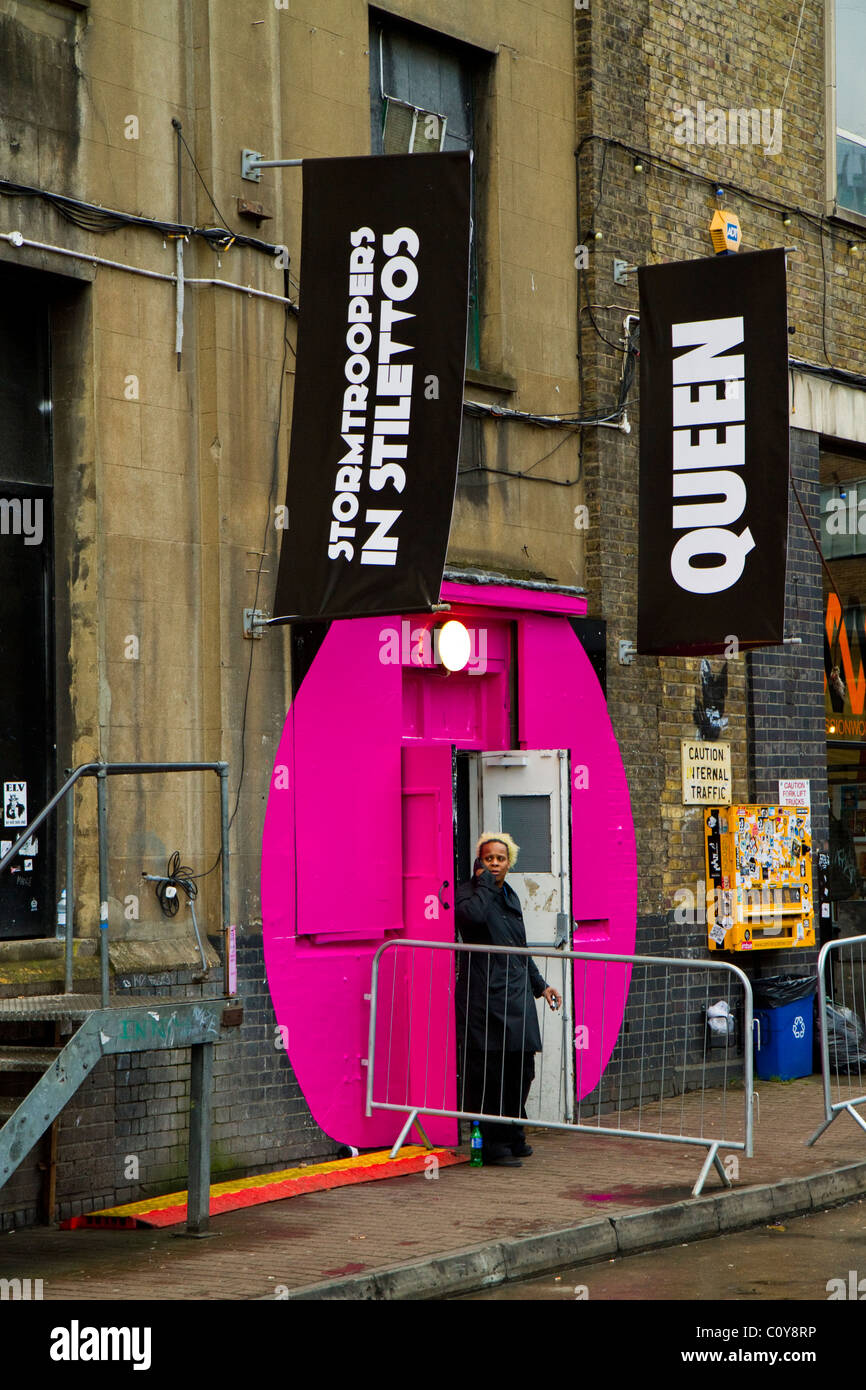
x=45 y=948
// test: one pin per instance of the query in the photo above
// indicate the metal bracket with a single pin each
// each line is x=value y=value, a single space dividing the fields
x=255 y=621
x=622 y=270
x=249 y=166
x=627 y=652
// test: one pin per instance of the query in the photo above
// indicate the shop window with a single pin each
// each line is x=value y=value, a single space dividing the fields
x=422 y=100
x=843 y=519
x=850 y=119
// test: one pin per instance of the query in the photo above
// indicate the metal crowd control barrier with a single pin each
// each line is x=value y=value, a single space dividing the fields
x=842 y=1020
x=628 y=1079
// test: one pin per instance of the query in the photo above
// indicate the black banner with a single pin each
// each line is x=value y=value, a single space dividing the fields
x=379 y=385
x=713 y=454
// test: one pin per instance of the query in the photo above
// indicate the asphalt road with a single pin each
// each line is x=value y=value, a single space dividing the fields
x=798 y=1259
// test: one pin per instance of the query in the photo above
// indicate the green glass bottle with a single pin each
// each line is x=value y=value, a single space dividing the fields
x=476 y=1145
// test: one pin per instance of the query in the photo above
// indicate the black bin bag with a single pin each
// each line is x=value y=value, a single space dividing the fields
x=774 y=991
x=846 y=1039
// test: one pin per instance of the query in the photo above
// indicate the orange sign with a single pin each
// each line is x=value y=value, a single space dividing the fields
x=847 y=686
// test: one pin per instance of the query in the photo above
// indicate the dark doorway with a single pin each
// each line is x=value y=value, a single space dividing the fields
x=27 y=748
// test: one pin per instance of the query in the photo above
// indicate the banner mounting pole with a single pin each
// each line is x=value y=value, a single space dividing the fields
x=252 y=165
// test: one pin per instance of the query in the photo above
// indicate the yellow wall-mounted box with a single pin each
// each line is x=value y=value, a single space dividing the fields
x=759 y=878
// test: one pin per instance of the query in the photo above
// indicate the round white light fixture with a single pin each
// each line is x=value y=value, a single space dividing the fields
x=455 y=646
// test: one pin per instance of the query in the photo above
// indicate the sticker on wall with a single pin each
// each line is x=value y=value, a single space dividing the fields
x=14 y=804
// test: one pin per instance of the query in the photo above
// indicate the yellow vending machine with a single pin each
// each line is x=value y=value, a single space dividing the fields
x=759 y=878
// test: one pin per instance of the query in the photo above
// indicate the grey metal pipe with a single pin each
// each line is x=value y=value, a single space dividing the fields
x=84 y=770
x=224 y=867
x=102 y=841
x=97 y=770
x=70 y=888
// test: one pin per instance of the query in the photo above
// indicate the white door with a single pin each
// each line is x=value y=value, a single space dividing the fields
x=526 y=792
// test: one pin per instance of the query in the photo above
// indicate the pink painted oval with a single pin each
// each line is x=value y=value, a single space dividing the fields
x=338 y=770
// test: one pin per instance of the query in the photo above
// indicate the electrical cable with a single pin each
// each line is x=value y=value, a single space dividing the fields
x=588 y=307
x=92 y=218
x=548 y=455
x=544 y=422
x=674 y=166
x=817 y=545
x=793 y=54
x=598 y=200
x=821 y=223
x=177 y=876
x=182 y=139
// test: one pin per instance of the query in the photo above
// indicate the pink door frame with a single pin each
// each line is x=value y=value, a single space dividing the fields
x=332 y=856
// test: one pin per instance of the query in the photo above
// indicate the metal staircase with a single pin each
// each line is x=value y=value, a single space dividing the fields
x=102 y=1025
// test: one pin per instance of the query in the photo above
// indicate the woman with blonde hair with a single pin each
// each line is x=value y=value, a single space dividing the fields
x=498 y=1025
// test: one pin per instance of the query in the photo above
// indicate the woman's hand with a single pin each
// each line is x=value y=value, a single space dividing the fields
x=553 y=997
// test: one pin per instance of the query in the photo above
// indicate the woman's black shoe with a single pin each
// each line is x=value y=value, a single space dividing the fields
x=500 y=1157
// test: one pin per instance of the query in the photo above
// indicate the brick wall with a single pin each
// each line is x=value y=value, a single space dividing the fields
x=786 y=686
x=634 y=62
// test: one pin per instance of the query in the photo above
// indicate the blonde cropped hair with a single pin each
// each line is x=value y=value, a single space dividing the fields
x=502 y=837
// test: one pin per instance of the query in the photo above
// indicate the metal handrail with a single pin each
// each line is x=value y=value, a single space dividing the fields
x=101 y=770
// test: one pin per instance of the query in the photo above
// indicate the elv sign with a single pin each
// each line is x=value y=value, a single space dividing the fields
x=713 y=454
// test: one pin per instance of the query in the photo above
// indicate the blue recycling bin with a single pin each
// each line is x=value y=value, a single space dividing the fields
x=783 y=1038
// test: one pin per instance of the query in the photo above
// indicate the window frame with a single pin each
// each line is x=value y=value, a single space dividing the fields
x=838 y=211
x=478 y=62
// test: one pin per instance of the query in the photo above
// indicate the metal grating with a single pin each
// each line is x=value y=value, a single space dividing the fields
x=27 y=1059
x=36 y=1006
x=54 y=1006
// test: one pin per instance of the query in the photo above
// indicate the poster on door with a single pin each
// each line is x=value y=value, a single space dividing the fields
x=15 y=805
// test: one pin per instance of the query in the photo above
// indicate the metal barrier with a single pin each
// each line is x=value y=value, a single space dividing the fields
x=101 y=771
x=842 y=1021
x=420 y=1033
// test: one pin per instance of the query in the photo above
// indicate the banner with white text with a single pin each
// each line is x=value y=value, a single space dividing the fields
x=379 y=385
x=713 y=522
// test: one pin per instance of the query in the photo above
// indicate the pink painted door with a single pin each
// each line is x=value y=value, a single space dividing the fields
x=427 y=976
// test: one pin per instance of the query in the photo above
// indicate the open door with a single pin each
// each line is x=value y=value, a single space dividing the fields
x=526 y=793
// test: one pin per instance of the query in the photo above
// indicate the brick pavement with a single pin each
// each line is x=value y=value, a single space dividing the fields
x=324 y=1235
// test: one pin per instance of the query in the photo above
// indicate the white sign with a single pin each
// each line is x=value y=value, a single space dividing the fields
x=794 y=791
x=15 y=804
x=706 y=772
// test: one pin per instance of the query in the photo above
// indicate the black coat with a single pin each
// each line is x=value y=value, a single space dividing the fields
x=495 y=993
